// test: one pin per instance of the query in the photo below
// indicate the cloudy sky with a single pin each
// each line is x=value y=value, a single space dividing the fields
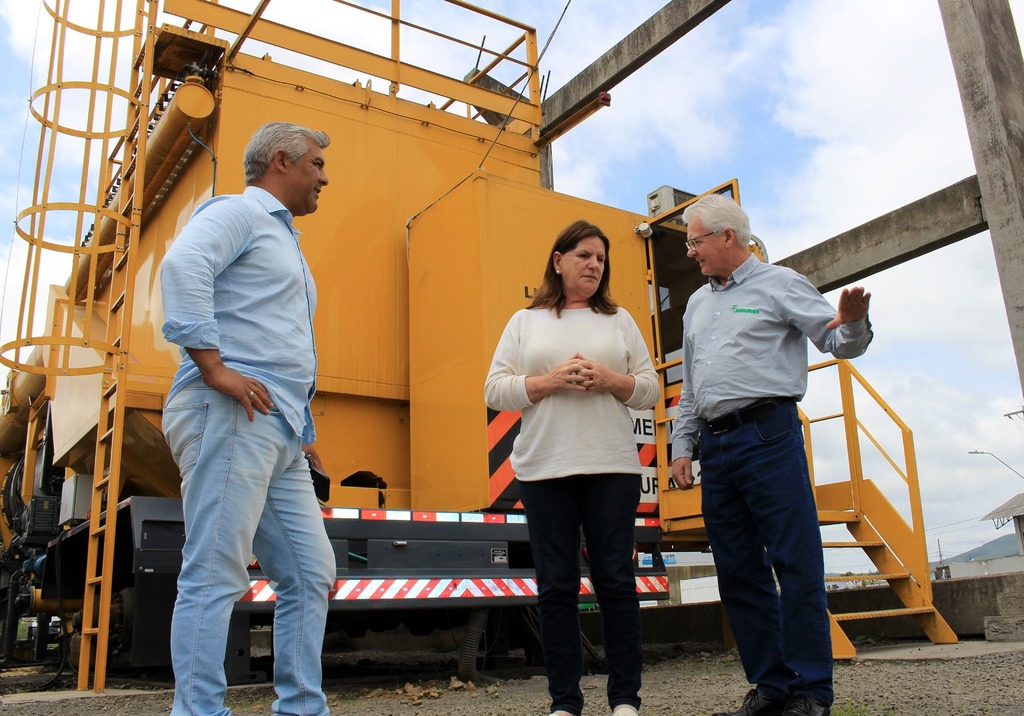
x=829 y=113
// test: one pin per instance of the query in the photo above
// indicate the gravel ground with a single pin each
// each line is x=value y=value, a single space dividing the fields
x=677 y=680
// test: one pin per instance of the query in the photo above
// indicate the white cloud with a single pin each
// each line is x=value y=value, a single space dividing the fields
x=874 y=97
x=683 y=108
x=22 y=20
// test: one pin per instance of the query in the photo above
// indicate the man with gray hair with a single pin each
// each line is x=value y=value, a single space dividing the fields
x=744 y=368
x=239 y=299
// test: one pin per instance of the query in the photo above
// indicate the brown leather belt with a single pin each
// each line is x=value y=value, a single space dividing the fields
x=747 y=414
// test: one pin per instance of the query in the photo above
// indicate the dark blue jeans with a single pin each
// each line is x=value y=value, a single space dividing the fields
x=760 y=516
x=605 y=507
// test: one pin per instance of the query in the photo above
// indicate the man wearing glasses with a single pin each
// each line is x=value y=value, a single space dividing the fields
x=744 y=369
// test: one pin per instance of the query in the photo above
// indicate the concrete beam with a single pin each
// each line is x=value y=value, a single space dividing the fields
x=643 y=44
x=927 y=224
x=990 y=75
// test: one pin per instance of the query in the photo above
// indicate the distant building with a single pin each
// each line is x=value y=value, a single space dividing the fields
x=1010 y=511
x=1003 y=555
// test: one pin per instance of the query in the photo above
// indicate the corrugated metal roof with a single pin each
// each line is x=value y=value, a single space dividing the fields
x=1007 y=511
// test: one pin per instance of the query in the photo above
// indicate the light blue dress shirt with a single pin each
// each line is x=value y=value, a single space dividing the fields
x=748 y=340
x=235 y=280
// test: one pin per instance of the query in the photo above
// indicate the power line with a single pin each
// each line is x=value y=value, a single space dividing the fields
x=953 y=524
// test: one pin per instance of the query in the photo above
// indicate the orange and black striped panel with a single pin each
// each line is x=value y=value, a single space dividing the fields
x=502 y=429
x=648 y=454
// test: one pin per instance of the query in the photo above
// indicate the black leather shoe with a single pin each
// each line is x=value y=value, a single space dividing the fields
x=754 y=704
x=804 y=705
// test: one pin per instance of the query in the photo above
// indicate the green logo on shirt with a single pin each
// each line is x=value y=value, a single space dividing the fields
x=741 y=309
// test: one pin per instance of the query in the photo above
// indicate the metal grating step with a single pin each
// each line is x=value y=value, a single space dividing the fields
x=883 y=613
x=874 y=577
x=837 y=517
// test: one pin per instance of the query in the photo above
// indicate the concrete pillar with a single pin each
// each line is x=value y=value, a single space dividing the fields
x=990 y=74
x=1018 y=527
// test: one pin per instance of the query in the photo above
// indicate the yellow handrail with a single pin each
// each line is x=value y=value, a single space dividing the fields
x=912 y=551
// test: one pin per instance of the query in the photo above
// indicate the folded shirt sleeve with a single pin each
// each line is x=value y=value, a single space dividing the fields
x=192 y=334
x=214 y=237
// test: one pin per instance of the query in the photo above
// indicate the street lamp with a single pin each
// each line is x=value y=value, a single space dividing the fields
x=986 y=452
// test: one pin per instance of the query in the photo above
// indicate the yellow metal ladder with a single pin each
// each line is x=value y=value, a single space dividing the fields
x=125 y=188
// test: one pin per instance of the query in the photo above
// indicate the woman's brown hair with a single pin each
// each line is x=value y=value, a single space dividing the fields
x=551 y=293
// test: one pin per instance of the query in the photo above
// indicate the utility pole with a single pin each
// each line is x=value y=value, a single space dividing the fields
x=989 y=73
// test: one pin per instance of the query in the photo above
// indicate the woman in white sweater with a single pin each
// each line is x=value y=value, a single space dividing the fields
x=573 y=362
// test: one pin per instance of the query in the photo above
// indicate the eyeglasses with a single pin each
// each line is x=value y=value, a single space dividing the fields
x=694 y=243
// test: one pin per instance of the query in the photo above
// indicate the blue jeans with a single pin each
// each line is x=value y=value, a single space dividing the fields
x=605 y=506
x=246 y=490
x=760 y=516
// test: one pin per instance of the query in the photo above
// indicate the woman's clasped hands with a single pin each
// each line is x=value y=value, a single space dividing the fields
x=579 y=373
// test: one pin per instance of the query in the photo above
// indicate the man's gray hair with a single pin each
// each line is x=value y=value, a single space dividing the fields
x=718 y=213
x=291 y=138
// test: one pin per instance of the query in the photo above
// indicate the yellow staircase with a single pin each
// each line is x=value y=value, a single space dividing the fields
x=895 y=546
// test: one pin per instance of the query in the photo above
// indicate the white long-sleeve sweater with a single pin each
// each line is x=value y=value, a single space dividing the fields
x=571 y=433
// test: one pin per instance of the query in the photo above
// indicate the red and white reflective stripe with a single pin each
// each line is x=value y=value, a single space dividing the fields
x=435 y=516
x=260 y=590
x=441 y=588
x=652 y=585
x=478 y=518
x=352 y=590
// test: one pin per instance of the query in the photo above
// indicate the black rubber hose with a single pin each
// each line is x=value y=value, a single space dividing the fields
x=470 y=648
x=9 y=629
x=13 y=504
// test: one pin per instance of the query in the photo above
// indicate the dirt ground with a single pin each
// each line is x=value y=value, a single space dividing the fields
x=679 y=680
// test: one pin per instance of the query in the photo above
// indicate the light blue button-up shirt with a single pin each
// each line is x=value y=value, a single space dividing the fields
x=748 y=340
x=235 y=280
